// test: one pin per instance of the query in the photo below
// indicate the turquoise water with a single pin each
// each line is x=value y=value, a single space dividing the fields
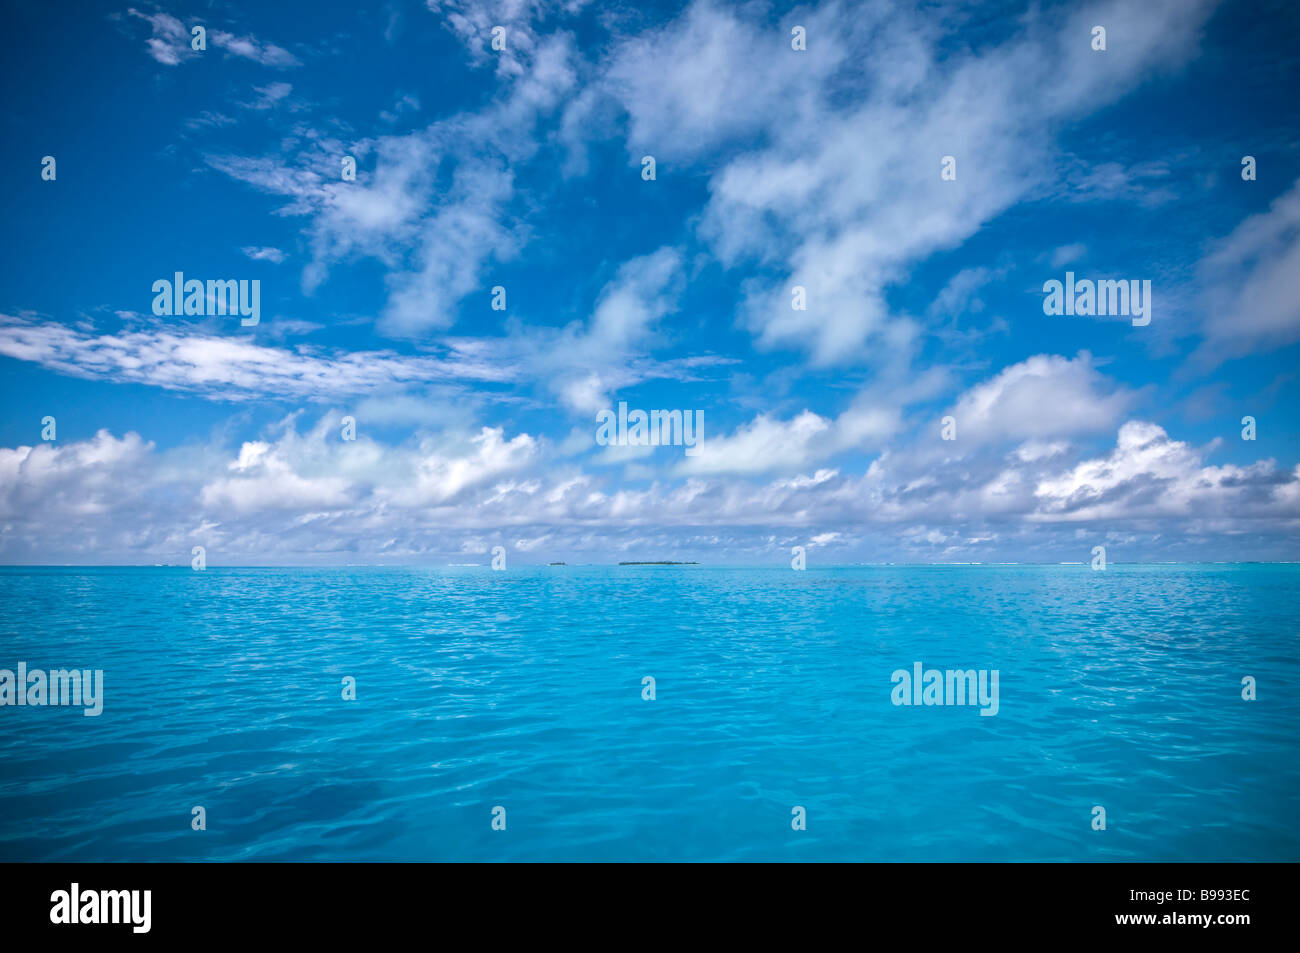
x=523 y=689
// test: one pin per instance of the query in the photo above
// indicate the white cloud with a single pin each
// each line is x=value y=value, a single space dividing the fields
x=440 y=476
x=1250 y=279
x=273 y=255
x=1149 y=475
x=294 y=495
x=251 y=48
x=472 y=21
x=435 y=238
x=268 y=96
x=961 y=294
x=1068 y=254
x=1042 y=397
x=453 y=248
x=170 y=42
x=586 y=365
x=235 y=368
x=761 y=446
x=821 y=170
x=768 y=445
x=262 y=478
x=1144 y=183
x=841 y=192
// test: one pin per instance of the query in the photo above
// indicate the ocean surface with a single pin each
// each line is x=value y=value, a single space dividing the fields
x=523 y=690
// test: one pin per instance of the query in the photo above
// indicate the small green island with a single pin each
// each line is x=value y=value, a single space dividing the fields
x=660 y=562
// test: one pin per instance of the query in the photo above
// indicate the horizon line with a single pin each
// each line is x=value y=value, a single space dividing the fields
x=649 y=564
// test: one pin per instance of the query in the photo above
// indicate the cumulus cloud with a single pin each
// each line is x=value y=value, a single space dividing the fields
x=263 y=478
x=761 y=445
x=78 y=479
x=1149 y=475
x=818 y=169
x=310 y=495
x=767 y=444
x=1044 y=396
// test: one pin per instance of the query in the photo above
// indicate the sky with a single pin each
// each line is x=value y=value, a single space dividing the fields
x=438 y=336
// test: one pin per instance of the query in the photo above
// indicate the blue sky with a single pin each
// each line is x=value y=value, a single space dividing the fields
x=775 y=168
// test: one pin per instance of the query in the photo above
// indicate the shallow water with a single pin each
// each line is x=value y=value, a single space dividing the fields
x=523 y=689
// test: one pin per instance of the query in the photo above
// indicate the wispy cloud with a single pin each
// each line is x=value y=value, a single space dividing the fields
x=171 y=42
x=273 y=255
x=841 y=193
x=1250 y=281
x=777 y=169
x=234 y=369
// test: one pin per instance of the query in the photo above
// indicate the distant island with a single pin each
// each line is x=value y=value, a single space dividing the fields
x=555 y=564
x=659 y=562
